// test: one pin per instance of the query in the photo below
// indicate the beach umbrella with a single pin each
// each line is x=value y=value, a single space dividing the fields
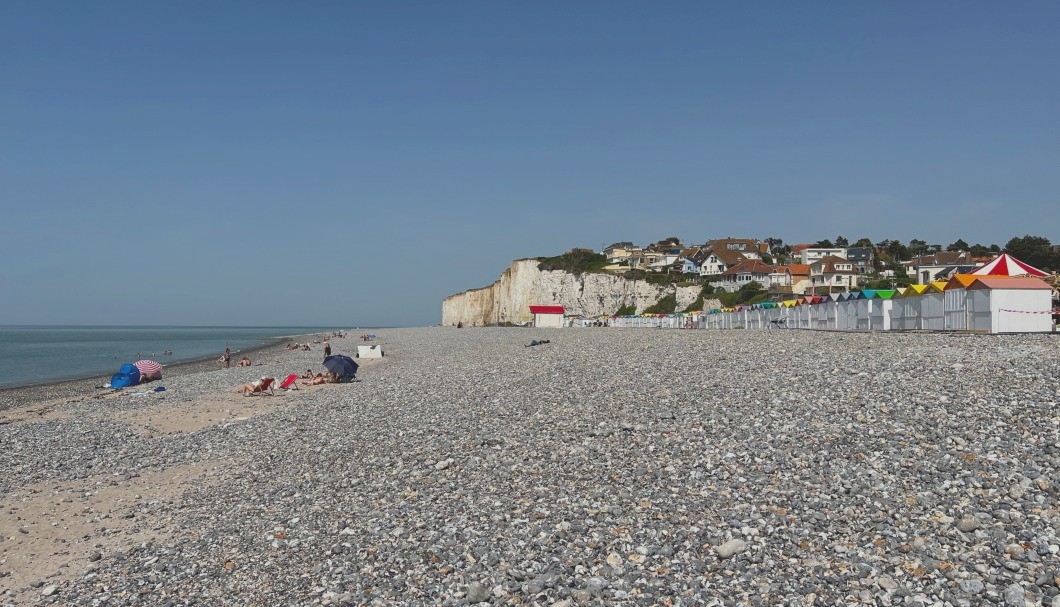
x=148 y=368
x=341 y=365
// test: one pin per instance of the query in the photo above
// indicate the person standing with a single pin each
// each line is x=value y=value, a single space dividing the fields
x=227 y=357
x=327 y=348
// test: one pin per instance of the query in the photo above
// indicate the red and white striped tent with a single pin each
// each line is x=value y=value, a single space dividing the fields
x=1007 y=265
x=149 y=368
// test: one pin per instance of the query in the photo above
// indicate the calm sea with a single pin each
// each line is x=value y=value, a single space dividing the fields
x=38 y=354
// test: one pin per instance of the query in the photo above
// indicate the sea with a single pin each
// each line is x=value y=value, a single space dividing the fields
x=42 y=354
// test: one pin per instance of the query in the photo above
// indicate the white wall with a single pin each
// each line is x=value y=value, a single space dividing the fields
x=1025 y=300
x=548 y=320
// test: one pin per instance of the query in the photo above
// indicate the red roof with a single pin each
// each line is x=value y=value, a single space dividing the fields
x=1008 y=282
x=546 y=309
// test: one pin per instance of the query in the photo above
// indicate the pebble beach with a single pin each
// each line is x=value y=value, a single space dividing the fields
x=607 y=467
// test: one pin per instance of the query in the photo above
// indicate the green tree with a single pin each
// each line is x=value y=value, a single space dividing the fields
x=895 y=249
x=863 y=242
x=841 y=241
x=901 y=276
x=917 y=247
x=1035 y=250
x=878 y=282
x=960 y=245
x=978 y=250
x=749 y=293
x=823 y=244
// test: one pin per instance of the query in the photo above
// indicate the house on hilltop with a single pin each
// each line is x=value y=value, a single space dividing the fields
x=832 y=273
x=863 y=258
x=811 y=255
x=744 y=272
x=792 y=278
x=620 y=251
x=718 y=261
x=924 y=268
x=751 y=248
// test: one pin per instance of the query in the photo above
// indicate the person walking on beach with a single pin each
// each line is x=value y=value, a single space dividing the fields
x=226 y=358
x=327 y=348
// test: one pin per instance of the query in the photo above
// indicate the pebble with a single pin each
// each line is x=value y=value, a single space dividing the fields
x=477 y=593
x=611 y=468
x=1014 y=596
x=731 y=548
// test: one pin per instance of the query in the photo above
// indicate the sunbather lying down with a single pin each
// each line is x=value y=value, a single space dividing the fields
x=262 y=385
x=534 y=342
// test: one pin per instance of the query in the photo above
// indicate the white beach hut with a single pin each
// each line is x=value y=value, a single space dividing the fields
x=1010 y=305
x=547 y=316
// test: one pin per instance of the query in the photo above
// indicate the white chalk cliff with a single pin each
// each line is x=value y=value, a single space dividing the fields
x=590 y=294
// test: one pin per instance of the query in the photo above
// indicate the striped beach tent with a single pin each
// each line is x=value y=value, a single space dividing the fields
x=1007 y=265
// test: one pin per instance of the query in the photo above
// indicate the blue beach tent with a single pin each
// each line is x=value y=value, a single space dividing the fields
x=127 y=376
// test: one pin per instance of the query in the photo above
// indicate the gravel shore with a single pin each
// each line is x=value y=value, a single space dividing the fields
x=610 y=466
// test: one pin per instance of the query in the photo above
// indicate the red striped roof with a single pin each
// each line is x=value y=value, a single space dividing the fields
x=546 y=309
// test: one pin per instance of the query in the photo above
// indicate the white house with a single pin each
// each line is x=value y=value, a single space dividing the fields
x=743 y=273
x=813 y=255
x=663 y=263
x=832 y=273
x=719 y=260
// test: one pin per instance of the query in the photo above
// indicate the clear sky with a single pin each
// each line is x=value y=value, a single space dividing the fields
x=353 y=163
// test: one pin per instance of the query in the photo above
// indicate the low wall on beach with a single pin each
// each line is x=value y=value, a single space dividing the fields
x=524 y=284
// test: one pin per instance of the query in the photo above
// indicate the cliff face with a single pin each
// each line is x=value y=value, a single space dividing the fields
x=523 y=284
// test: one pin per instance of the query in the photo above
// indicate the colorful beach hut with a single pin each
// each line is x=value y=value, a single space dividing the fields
x=880 y=314
x=933 y=308
x=905 y=311
x=955 y=304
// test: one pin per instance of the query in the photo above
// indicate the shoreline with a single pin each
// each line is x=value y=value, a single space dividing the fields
x=76 y=388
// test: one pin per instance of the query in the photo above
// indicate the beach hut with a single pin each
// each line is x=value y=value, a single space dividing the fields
x=933 y=308
x=905 y=312
x=547 y=316
x=880 y=315
x=863 y=319
x=955 y=304
x=1010 y=305
x=847 y=311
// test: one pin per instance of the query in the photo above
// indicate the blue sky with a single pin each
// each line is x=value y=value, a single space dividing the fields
x=353 y=163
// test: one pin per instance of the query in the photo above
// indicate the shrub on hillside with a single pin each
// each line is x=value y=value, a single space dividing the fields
x=666 y=305
x=574 y=261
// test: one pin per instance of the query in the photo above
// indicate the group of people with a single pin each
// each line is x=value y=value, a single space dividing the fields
x=309 y=379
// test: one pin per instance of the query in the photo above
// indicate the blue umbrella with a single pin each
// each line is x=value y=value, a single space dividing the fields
x=341 y=365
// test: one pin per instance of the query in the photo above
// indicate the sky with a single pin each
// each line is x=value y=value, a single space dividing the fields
x=258 y=163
